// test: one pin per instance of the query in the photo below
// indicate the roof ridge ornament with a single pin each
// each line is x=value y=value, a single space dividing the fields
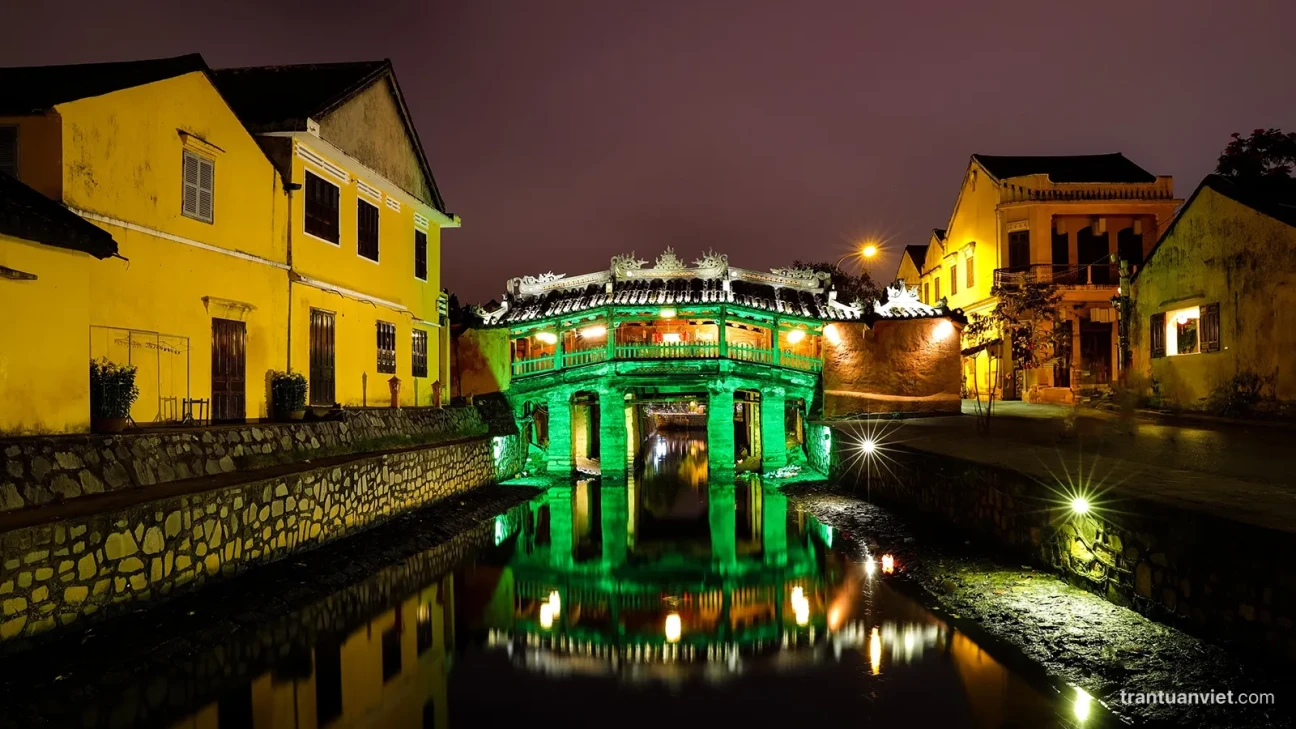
x=668 y=261
x=802 y=273
x=902 y=302
x=623 y=264
x=712 y=261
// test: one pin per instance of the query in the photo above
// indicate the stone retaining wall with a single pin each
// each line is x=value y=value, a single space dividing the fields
x=1206 y=575
x=57 y=573
x=42 y=470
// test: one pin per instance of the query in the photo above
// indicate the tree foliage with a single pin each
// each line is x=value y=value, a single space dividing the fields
x=851 y=288
x=1266 y=157
x=1028 y=313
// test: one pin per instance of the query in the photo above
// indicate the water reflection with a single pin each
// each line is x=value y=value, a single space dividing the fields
x=663 y=599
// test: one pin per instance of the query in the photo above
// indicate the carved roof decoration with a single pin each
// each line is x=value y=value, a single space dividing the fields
x=630 y=281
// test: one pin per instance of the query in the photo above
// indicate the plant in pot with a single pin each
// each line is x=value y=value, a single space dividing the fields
x=288 y=395
x=112 y=392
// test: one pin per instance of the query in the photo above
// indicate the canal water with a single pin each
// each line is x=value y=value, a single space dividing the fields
x=671 y=599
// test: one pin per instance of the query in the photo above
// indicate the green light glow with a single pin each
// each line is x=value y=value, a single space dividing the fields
x=1083 y=704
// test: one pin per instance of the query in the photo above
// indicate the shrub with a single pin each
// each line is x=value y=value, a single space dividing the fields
x=112 y=389
x=287 y=391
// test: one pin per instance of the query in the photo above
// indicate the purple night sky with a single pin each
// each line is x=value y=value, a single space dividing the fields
x=566 y=132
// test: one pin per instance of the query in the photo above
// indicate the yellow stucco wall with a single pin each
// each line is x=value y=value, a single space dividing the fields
x=1220 y=251
x=361 y=292
x=123 y=169
x=44 y=347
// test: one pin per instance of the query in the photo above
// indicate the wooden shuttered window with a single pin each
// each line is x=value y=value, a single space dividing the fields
x=367 y=230
x=970 y=265
x=420 y=255
x=386 y=348
x=322 y=208
x=1157 y=335
x=419 y=353
x=199 y=187
x=1210 y=328
x=9 y=150
x=953 y=279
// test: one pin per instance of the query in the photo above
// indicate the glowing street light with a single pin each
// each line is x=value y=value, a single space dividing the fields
x=869 y=250
x=674 y=627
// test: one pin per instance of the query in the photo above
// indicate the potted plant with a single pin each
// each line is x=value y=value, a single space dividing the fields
x=288 y=395
x=112 y=392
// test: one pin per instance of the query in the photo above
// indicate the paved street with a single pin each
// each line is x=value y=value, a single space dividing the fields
x=1239 y=470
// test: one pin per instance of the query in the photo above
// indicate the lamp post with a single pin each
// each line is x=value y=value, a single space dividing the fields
x=865 y=253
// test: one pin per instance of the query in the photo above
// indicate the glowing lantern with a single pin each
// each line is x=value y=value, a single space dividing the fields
x=667 y=313
x=547 y=337
x=888 y=564
x=555 y=603
x=1182 y=318
x=546 y=615
x=674 y=628
x=795 y=336
x=594 y=331
x=833 y=336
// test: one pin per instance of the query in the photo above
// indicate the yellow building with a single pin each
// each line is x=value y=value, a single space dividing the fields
x=150 y=152
x=46 y=256
x=267 y=219
x=1055 y=219
x=365 y=228
x=1213 y=306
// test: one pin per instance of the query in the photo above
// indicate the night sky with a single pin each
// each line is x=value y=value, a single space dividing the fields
x=566 y=132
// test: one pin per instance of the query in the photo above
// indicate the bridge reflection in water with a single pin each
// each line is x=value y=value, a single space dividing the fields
x=663 y=599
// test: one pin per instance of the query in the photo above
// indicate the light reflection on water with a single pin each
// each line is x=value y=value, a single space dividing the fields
x=663 y=599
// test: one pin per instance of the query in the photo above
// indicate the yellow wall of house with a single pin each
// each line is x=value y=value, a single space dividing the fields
x=123 y=168
x=40 y=148
x=1220 y=251
x=343 y=278
x=44 y=348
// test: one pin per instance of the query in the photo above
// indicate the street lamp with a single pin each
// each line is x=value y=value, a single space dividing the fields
x=866 y=252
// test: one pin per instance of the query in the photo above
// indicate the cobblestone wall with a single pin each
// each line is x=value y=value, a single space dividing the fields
x=55 y=574
x=43 y=470
x=1205 y=575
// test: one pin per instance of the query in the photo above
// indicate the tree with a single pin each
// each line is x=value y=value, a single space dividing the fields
x=980 y=335
x=1266 y=158
x=851 y=288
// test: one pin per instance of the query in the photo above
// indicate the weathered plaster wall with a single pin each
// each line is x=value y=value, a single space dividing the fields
x=369 y=127
x=59 y=573
x=1220 y=251
x=39 y=471
x=481 y=362
x=1203 y=574
x=910 y=365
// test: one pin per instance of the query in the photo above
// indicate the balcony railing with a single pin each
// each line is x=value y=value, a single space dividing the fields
x=1098 y=274
x=669 y=350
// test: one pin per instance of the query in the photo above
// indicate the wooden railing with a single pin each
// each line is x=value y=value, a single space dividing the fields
x=532 y=366
x=668 y=350
x=584 y=357
x=800 y=361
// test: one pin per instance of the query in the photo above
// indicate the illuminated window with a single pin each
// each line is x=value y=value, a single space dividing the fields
x=1182 y=331
x=387 y=348
x=419 y=354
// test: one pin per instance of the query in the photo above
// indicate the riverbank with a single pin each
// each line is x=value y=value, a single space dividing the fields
x=339 y=584
x=1076 y=636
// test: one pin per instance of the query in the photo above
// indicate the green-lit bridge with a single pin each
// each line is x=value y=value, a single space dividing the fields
x=599 y=361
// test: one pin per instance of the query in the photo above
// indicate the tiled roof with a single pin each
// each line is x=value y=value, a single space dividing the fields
x=1067 y=168
x=33 y=89
x=672 y=292
x=917 y=254
x=27 y=214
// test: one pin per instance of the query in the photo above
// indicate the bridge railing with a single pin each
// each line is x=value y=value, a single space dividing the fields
x=668 y=350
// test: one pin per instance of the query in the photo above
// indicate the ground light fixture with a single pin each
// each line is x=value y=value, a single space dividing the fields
x=832 y=334
x=942 y=331
x=547 y=337
x=1083 y=704
x=674 y=627
x=1080 y=505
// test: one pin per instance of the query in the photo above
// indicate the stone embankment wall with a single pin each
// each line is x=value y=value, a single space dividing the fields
x=65 y=571
x=1209 y=576
x=44 y=470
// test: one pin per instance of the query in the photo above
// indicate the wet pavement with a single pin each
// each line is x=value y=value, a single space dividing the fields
x=669 y=599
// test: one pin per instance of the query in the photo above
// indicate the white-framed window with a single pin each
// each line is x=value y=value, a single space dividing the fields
x=9 y=149
x=199 y=187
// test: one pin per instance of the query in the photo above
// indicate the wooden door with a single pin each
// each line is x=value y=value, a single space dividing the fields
x=229 y=370
x=322 y=358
